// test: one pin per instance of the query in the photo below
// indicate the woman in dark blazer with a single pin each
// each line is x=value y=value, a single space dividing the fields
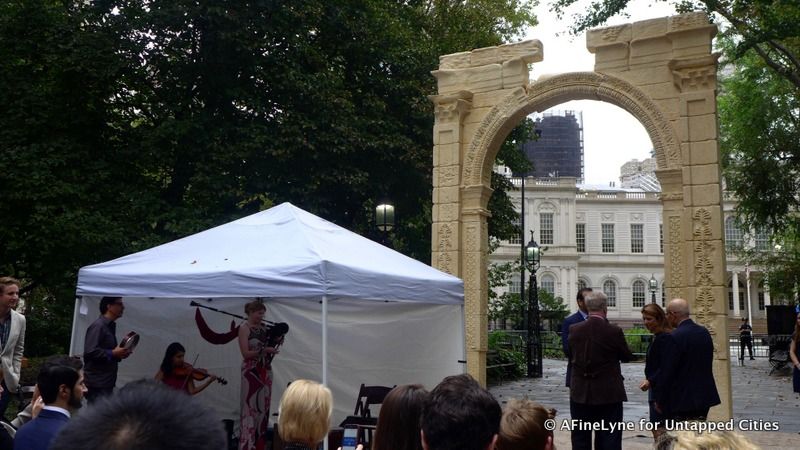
x=655 y=320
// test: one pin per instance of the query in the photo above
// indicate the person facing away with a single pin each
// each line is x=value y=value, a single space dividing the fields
x=596 y=389
x=579 y=316
x=745 y=339
x=689 y=388
x=100 y=350
x=523 y=426
x=398 y=423
x=144 y=415
x=61 y=384
x=12 y=340
x=655 y=320
x=304 y=415
x=460 y=415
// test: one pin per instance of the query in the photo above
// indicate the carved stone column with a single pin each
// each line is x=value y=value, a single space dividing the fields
x=694 y=71
x=450 y=110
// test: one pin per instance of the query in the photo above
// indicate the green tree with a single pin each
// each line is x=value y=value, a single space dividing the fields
x=760 y=139
x=128 y=124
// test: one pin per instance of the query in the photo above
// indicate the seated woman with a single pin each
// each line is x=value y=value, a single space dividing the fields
x=304 y=415
x=175 y=373
x=398 y=423
x=522 y=426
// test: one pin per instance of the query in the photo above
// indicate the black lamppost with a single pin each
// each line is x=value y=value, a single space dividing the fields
x=653 y=286
x=533 y=256
x=384 y=219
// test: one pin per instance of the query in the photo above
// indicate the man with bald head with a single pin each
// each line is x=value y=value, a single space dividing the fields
x=689 y=390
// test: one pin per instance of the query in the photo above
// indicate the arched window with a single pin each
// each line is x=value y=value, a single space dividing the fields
x=549 y=284
x=610 y=289
x=638 y=294
x=733 y=234
x=581 y=284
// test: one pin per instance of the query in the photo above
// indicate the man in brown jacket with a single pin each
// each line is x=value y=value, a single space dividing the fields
x=596 y=388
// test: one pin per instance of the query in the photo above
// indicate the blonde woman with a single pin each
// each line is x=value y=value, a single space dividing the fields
x=256 y=378
x=304 y=415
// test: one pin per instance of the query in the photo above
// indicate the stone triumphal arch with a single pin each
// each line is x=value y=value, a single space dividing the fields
x=661 y=71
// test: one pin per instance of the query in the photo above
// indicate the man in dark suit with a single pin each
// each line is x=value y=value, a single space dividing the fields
x=578 y=317
x=61 y=384
x=596 y=390
x=688 y=379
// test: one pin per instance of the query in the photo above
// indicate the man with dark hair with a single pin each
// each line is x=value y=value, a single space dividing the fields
x=745 y=338
x=596 y=391
x=579 y=316
x=460 y=415
x=12 y=340
x=100 y=349
x=60 y=382
x=144 y=415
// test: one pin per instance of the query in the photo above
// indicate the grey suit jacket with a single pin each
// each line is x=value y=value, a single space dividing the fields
x=11 y=356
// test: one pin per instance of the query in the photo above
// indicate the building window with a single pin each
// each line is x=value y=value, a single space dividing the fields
x=546 y=228
x=741 y=296
x=761 y=303
x=516 y=239
x=661 y=238
x=663 y=296
x=580 y=237
x=607 y=231
x=637 y=238
x=610 y=289
x=638 y=294
x=762 y=241
x=549 y=284
x=513 y=287
x=581 y=284
x=733 y=234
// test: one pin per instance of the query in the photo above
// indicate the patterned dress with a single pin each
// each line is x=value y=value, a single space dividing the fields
x=256 y=394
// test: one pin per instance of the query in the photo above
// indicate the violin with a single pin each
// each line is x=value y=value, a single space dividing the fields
x=196 y=373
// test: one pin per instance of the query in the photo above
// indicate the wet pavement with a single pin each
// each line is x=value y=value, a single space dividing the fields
x=759 y=400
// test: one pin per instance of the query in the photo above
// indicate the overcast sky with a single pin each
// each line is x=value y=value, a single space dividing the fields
x=611 y=135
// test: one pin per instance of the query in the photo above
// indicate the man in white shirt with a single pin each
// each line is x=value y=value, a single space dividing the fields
x=12 y=340
x=61 y=384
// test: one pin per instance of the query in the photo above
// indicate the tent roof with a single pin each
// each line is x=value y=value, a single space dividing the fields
x=283 y=252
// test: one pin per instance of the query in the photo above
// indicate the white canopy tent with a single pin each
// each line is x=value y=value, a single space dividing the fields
x=357 y=311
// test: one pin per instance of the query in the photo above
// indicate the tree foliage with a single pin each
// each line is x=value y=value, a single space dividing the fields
x=760 y=139
x=131 y=123
x=768 y=28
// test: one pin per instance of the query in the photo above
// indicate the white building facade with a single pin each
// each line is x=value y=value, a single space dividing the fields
x=611 y=238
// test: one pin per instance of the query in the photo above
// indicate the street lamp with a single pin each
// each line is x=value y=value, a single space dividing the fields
x=384 y=219
x=653 y=286
x=533 y=256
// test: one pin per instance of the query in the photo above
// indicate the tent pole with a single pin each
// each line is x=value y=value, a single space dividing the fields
x=72 y=349
x=325 y=349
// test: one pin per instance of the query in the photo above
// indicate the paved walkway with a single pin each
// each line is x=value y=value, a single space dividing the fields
x=757 y=398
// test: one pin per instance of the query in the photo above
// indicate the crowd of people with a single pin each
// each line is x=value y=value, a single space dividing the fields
x=457 y=414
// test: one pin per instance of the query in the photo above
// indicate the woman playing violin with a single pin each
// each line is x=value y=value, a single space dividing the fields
x=256 y=377
x=177 y=374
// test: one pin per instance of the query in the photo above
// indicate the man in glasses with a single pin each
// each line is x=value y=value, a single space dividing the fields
x=102 y=354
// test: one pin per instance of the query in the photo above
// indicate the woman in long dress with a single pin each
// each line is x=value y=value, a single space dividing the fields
x=256 y=378
x=794 y=354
